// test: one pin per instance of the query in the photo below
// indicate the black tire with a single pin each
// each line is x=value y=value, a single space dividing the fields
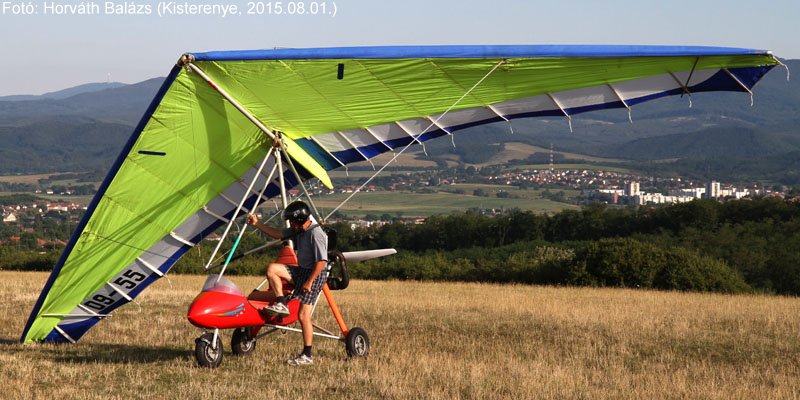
x=356 y=343
x=242 y=343
x=208 y=356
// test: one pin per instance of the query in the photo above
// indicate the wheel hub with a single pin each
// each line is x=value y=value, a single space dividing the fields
x=360 y=345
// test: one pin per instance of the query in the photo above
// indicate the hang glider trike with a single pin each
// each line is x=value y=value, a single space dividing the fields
x=225 y=124
x=221 y=305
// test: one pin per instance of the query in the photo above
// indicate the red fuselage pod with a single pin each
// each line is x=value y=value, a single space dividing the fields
x=222 y=305
x=223 y=310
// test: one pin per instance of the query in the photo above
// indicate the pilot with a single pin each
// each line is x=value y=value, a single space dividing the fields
x=308 y=277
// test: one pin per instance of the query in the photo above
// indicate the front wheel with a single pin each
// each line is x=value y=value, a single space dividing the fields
x=356 y=343
x=208 y=356
x=242 y=342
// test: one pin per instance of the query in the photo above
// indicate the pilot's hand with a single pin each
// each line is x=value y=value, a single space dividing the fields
x=252 y=219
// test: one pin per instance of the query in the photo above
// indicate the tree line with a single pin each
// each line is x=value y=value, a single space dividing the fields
x=703 y=245
x=733 y=247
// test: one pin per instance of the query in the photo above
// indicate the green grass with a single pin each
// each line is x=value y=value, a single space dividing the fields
x=34 y=179
x=426 y=204
x=30 y=179
x=593 y=167
x=529 y=149
x=341 y=173
x=514 y=190
x=83 y=200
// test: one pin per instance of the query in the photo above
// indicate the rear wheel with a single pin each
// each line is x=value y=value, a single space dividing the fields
x=356 y=343
x=208 y=355
x=242 y=342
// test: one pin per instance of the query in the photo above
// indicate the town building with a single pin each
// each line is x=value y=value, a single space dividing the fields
x=632 y=189
x=713 y=190
x=10 y=218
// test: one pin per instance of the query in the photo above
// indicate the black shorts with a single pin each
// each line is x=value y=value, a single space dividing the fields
x=299 y=278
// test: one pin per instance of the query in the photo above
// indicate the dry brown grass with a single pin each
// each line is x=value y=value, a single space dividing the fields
x=32 y=179
x=512 y=151
x=430 y=340
x=523 y=150
x=407 y=159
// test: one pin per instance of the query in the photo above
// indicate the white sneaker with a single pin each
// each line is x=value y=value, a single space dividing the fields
x=277 y=309
x=301 y=359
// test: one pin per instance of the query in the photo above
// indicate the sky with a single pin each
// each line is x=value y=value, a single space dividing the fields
x=45 y=46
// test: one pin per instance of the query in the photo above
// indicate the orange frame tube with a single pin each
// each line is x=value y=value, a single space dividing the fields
x=335 y=309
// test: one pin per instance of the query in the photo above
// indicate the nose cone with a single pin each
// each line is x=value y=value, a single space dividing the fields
x=210 y=308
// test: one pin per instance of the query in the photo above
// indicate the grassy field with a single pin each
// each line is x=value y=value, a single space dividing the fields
x=341 y=173
x=521 y=151
x=425 y=204
x=524 y=193
x=593 y=167
x=429 y=340
x=84 y=200
x=512 y=151
x=31 y=179
x=516 y=150
x=407 y=159
x=34 y=179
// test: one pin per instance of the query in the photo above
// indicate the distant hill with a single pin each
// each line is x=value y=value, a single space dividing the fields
x=783 y=168
x=69 y=92
x=124 y=104
x=727 y=141
x=67 y=143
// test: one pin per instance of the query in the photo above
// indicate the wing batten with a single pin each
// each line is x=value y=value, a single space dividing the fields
x=65 y=335
x=149 y=267
x=316 y=140
x=182 y=240
x=375 y=136
x=119 y=290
